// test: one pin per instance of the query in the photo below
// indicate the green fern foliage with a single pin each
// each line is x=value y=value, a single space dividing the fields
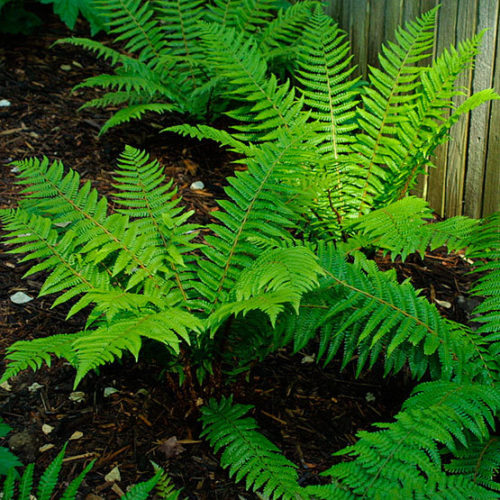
x=404 y=458
x=403 y=227
x=247 y=453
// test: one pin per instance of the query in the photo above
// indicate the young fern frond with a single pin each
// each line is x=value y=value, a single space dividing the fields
x=247 y=453
x=428 y=124
x=387 y=101
x=403 y=459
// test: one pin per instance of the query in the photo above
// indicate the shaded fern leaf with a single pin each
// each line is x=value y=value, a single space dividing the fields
x=403 y=459
x=479 y=461
x=247 y=453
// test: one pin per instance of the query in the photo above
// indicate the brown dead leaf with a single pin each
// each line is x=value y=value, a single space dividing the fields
x=191 y=166
x=171 y=447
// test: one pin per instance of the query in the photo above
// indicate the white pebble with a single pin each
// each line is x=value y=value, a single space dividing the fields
x=197 y=185
x=4 y=103
x=20 y=298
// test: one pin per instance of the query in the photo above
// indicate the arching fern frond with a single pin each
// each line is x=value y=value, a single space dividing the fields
x=247 y=453
x=257 y=206
x=403 y=227
x=428 y=123
x=387 y=102
x=403 y=459
x=370 y=314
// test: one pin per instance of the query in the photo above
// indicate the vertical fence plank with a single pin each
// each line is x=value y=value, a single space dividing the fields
x=375 y=30
x=491 y=195
x=446 y=26
x=360 y=22
x=479 y=118
x=457 y=150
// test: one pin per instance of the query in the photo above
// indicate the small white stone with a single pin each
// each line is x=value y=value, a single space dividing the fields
x=35 y=386
x=20 y=298
x=47 y=429
x=197 y=185
x=4 y=103
x=62 y=224
x=108 y=391
x=14 y=170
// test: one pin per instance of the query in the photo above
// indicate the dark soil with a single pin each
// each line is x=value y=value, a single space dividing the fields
x=309 y=412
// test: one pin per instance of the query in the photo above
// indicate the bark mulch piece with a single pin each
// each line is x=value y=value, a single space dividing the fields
x=309 y=412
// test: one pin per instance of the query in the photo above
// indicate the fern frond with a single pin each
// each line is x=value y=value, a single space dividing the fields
x=26 y=483
x=247 y=453
x=141 y=491
x=324 y=69
x=258 y=207
x=403 y=459
x=135 y=112
x=71 y=491
x=370 y=314
x=485 y=244
x=268 y=105
x=50 y=476
x=285 y=29
x=107 y=343
x=428 y=124
x=133 y=22
x=201 y=132
x=387 y=102
x=278 y=276
x=403 y=227
x=33 y=353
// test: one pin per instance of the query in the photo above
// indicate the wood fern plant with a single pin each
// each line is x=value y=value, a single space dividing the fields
x=326 y=178
x=162 y=66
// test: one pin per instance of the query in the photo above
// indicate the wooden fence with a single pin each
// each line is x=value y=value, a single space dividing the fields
x=467 y=178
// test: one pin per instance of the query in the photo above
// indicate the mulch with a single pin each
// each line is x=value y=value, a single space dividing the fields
x=131 y=414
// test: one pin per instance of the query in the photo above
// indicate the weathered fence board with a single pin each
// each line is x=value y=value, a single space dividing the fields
x=466 y=179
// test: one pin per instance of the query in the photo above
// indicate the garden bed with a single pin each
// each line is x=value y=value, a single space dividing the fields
x=309 y=412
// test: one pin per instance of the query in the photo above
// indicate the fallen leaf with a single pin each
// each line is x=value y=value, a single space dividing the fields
x=307 y=359
x=171 y=447
x=47 y=429
x=6 y=386
x=108 y=391
x=443 y=303
x=77 y=396
x=76 y=435
x=113 y=475
x=45 y=447
x=35 y=386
